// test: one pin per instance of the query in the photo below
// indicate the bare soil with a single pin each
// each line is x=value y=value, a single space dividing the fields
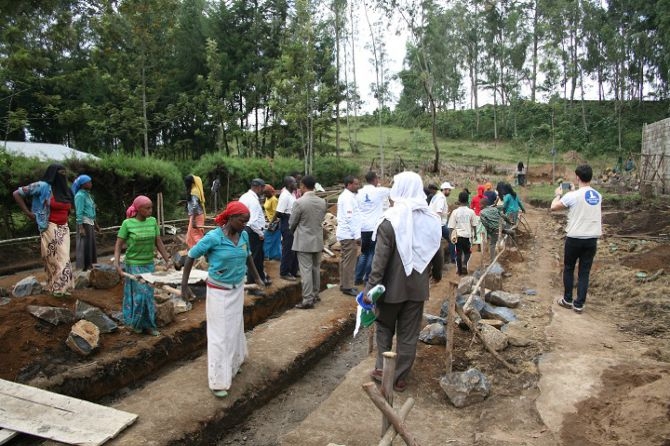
x=620 y=391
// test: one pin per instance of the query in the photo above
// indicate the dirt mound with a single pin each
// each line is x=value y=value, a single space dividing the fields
x=649 y=261
x=632 y=408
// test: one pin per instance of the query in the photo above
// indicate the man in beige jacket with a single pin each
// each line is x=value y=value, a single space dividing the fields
x=306 y=225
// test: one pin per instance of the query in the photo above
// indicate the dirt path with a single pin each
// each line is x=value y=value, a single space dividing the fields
x=584 y=381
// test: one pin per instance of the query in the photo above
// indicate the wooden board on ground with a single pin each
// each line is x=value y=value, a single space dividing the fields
x=174 y=277
x=58 y=417
x=6 y=435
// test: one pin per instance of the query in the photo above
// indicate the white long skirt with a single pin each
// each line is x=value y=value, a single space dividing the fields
x=226 y=344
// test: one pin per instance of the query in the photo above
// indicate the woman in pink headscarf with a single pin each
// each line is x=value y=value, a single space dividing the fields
x=141 y=235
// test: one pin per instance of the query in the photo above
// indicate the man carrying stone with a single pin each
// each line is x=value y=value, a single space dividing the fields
x=305 y=224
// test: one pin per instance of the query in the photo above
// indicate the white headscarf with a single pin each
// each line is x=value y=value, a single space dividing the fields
x=417 y=229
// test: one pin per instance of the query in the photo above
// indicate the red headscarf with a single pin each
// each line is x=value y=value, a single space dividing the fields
x=269 y=188
x=138 y=202
x=233 y=208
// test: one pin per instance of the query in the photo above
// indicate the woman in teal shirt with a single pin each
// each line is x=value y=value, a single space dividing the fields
x=87 y=225
x=141 y=235
x=228 y=256
x=511 y=204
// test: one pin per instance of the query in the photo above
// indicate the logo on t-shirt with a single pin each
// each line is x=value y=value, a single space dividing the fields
x=592 y=197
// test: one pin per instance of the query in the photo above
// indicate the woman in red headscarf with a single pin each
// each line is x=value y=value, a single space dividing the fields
x=228 y=257
x=141 y=236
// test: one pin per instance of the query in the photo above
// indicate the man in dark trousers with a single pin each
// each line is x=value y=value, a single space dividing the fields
x=288 y=267
x=256 y=227
x=306 y=225
x=583 y=230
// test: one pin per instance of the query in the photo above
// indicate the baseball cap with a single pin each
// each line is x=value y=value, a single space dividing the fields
x=446 y=185
x=258 y=182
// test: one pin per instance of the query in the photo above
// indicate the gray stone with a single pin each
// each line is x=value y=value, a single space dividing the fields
x=27 y=287
x=81 y=279
x=164 y=313
x=501 y=313
x=493 y=337
x=529 y=292
x=519 y=334
x=465 y=388
x=103 y=276
x=95 y=315
x=4 y=300
x=84 y=337
x=432 y=319
x=503 y=299
x=465 y=285
x=433 y=334
x=494 y=278
x=52 y=315
x=477 y=302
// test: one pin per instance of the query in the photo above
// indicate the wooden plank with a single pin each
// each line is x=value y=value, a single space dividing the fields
x=6 y=435
x=58 y=417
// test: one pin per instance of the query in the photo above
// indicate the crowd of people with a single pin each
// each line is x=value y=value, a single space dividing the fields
x=391 y=236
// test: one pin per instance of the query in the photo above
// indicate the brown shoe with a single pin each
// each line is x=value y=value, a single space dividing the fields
x=400 y=385
x=377 y=375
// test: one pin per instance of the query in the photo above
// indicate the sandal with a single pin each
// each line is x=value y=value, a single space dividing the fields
x=219 y=393
x=400 y=385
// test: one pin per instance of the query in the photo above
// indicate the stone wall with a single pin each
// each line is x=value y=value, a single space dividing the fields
x=655 y=159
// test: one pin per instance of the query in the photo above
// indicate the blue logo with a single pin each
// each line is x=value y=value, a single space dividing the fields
x=592 y=197
x=367 y=198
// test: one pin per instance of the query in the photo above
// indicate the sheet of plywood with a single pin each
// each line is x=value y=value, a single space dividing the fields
x=174 y=277
x=58 y=417
x=6 y=435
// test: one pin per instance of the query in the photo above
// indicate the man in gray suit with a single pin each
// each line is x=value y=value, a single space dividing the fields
x=305 y=223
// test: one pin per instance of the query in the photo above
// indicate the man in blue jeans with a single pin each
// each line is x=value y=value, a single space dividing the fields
x=583 y=230
x=372 y=201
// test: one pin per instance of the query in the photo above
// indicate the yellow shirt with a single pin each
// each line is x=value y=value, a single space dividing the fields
x=270 y=207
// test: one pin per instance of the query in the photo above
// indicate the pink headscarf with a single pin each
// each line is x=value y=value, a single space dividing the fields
x=138 y=202
x=233 y=208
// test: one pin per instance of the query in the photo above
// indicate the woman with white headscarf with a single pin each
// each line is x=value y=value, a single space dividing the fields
x=407 y=239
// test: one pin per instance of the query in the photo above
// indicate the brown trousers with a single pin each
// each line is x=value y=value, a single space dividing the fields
x=349 y=255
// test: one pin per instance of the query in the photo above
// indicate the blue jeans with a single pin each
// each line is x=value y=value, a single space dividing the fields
x=584 y=250
x=364 y=264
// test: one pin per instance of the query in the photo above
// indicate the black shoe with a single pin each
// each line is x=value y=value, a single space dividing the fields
x=267 y=282
x=304 y=306
x=288 y=277
x=350 y=291
x=317 y=299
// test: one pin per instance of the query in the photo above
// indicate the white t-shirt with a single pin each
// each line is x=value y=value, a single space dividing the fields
x=584 y=213
x=348 y=217
x=371 y=202
x=438 y=204
x=285 y=202
x=463 y=220
x=256 y=214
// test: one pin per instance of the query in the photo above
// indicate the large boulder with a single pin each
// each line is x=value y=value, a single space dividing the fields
x=493 y=337
x=503 y=299
x=82 y=279
x=83 y=338
x=95 y=315
x=433 y=334
x=103 y=276
x=27 y=287
x=52 y=315
x=465 y=388
x=501 y=313
x=164 y=313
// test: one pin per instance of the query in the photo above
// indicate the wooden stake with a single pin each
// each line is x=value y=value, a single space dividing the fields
x=388 y=378
x=451 y=316
x=391 y=433
x=378 y=400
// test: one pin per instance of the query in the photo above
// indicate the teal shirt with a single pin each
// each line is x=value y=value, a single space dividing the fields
x=512 y=204
x=140 y=237
x=84 y=207
x=227 y=261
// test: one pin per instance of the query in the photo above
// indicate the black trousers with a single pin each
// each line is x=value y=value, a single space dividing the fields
x=257 y=255
x=289 y=259
x=584 y=250
x=463 y=252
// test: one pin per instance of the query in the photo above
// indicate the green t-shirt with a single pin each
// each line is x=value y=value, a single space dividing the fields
x=140 y=237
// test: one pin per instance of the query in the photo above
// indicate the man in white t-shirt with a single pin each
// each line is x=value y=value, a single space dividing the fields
x=445 y=190
x=462 y=223
x=348 y=233
x=288 y=267
x=583 y=230
x=372 y=199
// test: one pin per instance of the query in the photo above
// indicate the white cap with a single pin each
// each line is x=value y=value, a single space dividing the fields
x=446 y=185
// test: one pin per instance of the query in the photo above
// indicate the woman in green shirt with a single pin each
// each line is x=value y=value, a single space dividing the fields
x=141 y=235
